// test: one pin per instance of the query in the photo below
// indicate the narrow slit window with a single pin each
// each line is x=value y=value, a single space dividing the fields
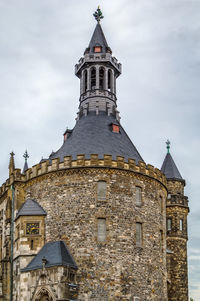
x=181 y=225
x=138 y=196
x=101 y=78
x=161 y=240
x=161 y=204
x=101 y=230
x=169 y=224
x=138 y=234
x=93 y=79
x=101 y=190
x=85 y=80
x=32 y=244
x=109 y=80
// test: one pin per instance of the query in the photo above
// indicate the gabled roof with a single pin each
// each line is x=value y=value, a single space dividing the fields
x=98 y=39
x=93 y=134
x=30 y=207
x=55 y=253
x=170 y=169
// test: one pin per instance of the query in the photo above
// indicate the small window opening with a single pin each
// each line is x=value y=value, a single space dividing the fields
x=115 y=128
x=97 y=49
x=101 y=190
x=181 y=225
x=169 y=224
x=85 y=80
x=138 y=234
x=71 y=276
x=101 y=230
x=101 y=78
x=32 y=244
x=93 y=79
x=138 y=196
x=161 y=240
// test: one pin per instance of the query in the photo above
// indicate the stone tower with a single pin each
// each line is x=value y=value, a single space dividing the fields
x=176 y=210
x=89 y=221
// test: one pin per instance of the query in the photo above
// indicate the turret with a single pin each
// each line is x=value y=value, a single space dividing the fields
x=98 y=71
x=176 y=211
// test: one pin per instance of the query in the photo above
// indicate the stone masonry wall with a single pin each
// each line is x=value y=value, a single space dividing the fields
x=116 y=269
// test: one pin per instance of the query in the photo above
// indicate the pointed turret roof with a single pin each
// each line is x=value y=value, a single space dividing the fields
x=169 y=167
x=30 y=208
x=26 y=156
x=55 y=254
x=98 y=39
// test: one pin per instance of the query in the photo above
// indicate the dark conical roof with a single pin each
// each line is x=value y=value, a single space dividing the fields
x=98 y=39
x=93 y=134
x=25 y=166
x=30 y=208
x=55 y=253
x=170 y=169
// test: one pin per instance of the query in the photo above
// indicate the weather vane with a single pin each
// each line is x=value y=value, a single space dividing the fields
x=25 y=155
x=98 y=15
x=168 y=145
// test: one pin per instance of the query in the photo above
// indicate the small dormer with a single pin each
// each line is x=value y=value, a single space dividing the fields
x=115 y=127
x=67 y=133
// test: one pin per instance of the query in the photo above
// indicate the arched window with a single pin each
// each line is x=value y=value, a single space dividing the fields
x=101 y=78
x=85 y=80
x=109 y=79
x=93 y=78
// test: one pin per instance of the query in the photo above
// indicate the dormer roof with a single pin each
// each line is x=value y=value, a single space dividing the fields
x=31 y=208
x=55 y=254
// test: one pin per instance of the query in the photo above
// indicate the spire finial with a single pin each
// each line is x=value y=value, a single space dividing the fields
x=25 y=155
x=98 y=14
x=168 y=145
x=11 y=163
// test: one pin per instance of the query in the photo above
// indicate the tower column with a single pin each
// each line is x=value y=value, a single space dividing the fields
x=88 y=79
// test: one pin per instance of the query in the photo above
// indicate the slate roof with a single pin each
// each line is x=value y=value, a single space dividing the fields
x=93 y=134
x=56 y=253
x=170 y=169
x=25 y=166
x=98 y=39
x=30 y=207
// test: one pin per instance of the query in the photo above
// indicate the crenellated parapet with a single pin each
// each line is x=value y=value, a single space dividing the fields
x=177 y=200
x=81 y=162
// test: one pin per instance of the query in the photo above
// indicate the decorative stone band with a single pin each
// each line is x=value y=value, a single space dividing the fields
x=94 y=161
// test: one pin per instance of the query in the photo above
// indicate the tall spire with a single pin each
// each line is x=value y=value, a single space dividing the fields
x=169 y=167
x=26 y=156
x=11 y=163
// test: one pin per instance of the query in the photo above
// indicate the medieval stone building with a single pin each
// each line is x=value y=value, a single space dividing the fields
x=94 y=221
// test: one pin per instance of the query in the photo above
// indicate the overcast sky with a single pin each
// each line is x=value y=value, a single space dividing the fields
x=158 y=44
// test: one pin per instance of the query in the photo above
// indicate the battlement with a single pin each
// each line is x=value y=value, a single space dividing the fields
x=179 y=200
x=94 y=58
x=94 y=161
